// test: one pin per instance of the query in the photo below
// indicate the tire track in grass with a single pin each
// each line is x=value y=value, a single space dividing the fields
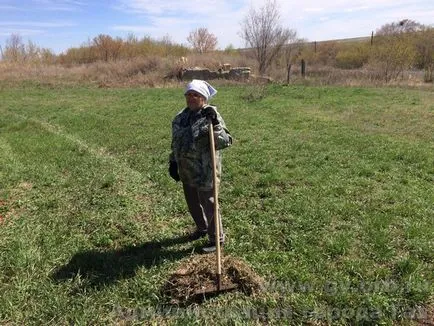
x=6 y=155
x=133 y=179
x=10 y=174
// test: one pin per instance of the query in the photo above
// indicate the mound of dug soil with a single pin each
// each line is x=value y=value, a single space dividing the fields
x=198 y=273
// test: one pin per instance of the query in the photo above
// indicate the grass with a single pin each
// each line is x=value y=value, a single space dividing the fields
x=327 y=193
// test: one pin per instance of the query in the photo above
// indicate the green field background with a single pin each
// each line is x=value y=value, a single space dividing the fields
x=327 y=193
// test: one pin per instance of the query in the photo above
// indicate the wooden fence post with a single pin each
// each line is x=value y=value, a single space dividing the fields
x=303 y=68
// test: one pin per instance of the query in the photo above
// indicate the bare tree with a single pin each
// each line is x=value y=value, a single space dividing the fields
x=394 y=49
x=14 y=50
x=261 y=30
x=47 y=56
x=291 y=50
x=424 y=42
x=201 y=40
x=107 y=47
x=32 y=52
x=402 y=26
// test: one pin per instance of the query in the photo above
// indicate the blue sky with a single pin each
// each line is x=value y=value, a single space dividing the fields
x=61 y=24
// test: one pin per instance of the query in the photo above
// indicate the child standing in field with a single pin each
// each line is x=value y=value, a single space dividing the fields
x=190 y=159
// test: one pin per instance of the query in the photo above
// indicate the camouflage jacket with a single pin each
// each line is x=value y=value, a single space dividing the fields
x=191 y=150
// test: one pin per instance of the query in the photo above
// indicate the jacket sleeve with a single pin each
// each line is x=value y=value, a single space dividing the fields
x=178 y=135
x=222 y=136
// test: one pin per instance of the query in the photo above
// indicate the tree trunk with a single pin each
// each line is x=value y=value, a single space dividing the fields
x=428 y=74
x=288 y=73
x=303 y=68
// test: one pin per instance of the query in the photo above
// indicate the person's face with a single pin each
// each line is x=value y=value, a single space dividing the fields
x=194 y=100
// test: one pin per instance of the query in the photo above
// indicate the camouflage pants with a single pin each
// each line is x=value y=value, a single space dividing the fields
x=201 y=206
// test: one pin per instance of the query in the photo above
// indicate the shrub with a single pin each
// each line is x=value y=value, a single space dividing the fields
x=353 y=57
x=392 y=55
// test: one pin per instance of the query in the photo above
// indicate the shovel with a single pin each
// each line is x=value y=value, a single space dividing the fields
x=219 y=287
x=216 y=206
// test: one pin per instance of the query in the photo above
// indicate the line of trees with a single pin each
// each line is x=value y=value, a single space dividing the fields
x=17 y=51
x=396 y=47
x=401 y=45
x=100 y=48
x=106 y=48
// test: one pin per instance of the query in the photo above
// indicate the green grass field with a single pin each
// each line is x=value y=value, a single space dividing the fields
x=327 y=193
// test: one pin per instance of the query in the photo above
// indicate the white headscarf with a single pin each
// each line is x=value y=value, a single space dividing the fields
x=202 y=87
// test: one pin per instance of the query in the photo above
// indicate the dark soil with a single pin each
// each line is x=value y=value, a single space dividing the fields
x=197 y=275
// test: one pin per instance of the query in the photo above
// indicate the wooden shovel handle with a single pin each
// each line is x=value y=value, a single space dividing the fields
x=216 y=202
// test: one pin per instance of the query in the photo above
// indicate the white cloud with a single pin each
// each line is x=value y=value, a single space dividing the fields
x=313 y=9
x=217 y=16
x=158 y=27
x=182 y=8
x=290 y=7
x=10 y=8
x=422 y=16
x=37 y=24
x=20 y=31
x=311 y=18
x=59 y=5
x=350 y=18
x=353 y=9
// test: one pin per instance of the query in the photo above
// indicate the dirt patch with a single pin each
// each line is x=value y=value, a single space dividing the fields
x=428 y=318
x=25 y=185
x=11 y=206
x=198 y=273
